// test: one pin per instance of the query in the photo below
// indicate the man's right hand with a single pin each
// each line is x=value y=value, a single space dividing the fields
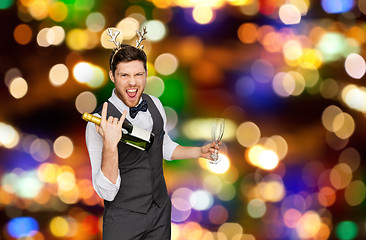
x=110 y=129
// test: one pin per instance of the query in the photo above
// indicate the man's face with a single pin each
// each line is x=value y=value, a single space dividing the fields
x=129 y=80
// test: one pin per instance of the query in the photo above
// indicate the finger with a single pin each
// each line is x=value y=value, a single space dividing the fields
x=121 y=120
x=104 y=112
x=115 y=120
x=110 y=119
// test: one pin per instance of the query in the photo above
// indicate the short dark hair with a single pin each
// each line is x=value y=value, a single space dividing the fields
x=127 y=53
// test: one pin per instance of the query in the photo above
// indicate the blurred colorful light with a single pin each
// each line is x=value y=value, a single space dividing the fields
x=22 y=227
x=86 y=102
x=289 y=14
x=6 y=4
x=201 y=200
x=63 y=147
x=157 y=30
x=337 y=6
x=347 y=230
x=18 y=87
x=58 y=75
x=355 y=65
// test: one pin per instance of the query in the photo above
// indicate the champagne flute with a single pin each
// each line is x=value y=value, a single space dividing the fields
x=217 y=132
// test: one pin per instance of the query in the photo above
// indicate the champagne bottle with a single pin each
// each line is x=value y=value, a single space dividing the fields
x=131 y=135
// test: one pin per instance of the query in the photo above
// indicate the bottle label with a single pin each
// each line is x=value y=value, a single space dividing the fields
x=141 y=133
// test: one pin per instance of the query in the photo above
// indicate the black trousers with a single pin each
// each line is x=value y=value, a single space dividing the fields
x=122 y=224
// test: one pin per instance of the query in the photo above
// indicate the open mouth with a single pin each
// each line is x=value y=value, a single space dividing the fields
x=131 y=92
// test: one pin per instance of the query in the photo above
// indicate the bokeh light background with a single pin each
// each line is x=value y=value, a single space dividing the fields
x=288 y=77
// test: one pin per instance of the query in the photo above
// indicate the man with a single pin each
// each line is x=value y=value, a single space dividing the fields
x=130 y=180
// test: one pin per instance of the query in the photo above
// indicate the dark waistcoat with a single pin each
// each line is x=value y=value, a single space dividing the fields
x=142 y=178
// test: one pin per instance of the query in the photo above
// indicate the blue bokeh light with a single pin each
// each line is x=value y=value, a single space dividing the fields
x=23 y=227
x=337 y=6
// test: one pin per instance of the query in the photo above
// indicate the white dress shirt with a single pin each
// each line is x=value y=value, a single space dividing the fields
x=102 y=185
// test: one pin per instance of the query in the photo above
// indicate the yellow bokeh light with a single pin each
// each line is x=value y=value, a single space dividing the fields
x=256 y=208
x=63 y=147
x=166 y=64
x=311 y=59
x=38 y=9
x=85 y=102
x=292 y=50
x=95 y=22
x=302 y=5
x=58 y=11
x=77 y=39
x=261 y=157
x=268 y=160
x=283 y=84
x=162 y=3
x=253 y=154
x=250 y=9
x=299 y=83
x=354 y=97
x=128 y=26
x=231 y=229
x=70 y=196
x=221 y=167
x=248 y=134
x=83 y=71
x=59 y=226
x=154 y=86
x=340 y=176
x=58 y=35
x=42 y=38
x=48 y=172
x=58 y=75
x=200 y=129
x=66 y=181
x=18 y=87
x=272 y=191
x=9 y=136
x=92 y=75
x=308 y=225
x=328 y=116
x=203 y=14
x=190 y=49
x=355 y=193
x=289 y=14
x=311 y=73
x=343 y=125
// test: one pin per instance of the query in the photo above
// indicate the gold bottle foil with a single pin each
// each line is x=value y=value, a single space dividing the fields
x=91 y=118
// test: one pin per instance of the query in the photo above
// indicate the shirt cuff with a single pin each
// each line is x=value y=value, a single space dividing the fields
x=104 y=187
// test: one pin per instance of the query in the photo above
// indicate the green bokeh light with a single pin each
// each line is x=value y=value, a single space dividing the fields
x=5 y=4
x=347 y=230
x=334 y=46
x=175 y=92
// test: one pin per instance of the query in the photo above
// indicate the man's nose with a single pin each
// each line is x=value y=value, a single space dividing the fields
x=132 y=81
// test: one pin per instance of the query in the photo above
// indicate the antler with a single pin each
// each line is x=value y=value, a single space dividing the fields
x=141 y=34
x=113 y=36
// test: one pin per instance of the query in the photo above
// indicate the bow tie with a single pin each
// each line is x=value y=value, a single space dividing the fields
x=141 y=107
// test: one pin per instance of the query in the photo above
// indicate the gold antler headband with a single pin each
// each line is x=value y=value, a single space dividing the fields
x=113 y=35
